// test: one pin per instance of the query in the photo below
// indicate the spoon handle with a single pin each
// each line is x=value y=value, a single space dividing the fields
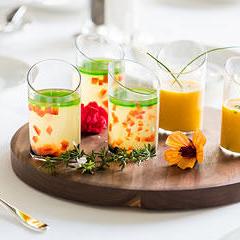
x=25 y=219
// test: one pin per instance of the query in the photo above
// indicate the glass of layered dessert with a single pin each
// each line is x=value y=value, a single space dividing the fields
x=181 y=98
x=54 y=107
x=230 y=130
x=94 y=53
x=133 y=106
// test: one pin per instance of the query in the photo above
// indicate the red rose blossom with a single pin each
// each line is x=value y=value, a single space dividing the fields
x=93 y=118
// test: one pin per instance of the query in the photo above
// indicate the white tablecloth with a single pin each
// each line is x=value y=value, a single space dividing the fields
x=50 y=36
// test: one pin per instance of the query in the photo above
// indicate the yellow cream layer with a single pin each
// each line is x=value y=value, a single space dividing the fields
x=94 y=90
x=132 y=127
x=53 y=134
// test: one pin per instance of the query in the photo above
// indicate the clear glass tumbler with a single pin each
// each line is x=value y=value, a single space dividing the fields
x=133 y=106
x=181 y=99
x=94 y=53
x=54 y=107
x=230 y=130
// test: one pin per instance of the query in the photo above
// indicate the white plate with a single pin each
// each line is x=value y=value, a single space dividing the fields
x=12 y=72
x=58 y=5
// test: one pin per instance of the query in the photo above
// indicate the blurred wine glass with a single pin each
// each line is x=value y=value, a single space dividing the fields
x=118 y=20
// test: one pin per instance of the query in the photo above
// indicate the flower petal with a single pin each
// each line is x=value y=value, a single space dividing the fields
x=186 y=163
x=198 y=139
x=172 y=156
x=200 y=154
x=177 y=140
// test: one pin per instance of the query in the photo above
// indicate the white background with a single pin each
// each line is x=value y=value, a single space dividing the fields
x=50 y=35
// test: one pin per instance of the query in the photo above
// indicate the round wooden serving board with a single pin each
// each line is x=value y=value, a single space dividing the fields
x=152 y=185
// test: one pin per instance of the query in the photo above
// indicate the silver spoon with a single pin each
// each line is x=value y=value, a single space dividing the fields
x=23 y=218
x=15 y=19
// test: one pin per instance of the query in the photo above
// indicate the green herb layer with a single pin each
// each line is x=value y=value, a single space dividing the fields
x=55 y=97
x=95 y=67
x=120 y=98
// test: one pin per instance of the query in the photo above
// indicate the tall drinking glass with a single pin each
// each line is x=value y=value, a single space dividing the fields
x=94 y=53
x=133 y=106
x=230 y=132
x=54 y=107
x=181 y=101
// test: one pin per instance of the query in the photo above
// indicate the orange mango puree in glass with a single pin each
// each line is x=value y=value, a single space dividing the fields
x=181 y=110
x=230 y=132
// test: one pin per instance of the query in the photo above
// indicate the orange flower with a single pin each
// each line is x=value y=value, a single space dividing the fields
x=183 y=151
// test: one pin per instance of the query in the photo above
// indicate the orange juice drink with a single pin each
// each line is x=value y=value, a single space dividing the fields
x=230 y=130
x=181 y=110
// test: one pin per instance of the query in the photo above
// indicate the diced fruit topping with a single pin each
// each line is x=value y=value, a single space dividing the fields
x=105 y=103
x=64 y=145
x=94 y=80
x=151 y=138
x=49 y=130
x=105 y=78
x=115 y=118
x=37 y=130
x=102 y=93
x=110 y=127
x=119 y=142
x=35 y=138
x=47 y=149
x=42 y=111
x=138 y=139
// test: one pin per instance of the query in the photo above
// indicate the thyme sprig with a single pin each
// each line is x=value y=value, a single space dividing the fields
x=96 y=161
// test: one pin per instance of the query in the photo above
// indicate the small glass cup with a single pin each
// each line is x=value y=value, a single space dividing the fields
x=94 y=53
x=133 y=106
x=181 y=102
x=230 y=129
x=54 y=107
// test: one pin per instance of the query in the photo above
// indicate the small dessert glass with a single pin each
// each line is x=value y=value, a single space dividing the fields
x=181 y=100
x=54 y=107
x=230 y=128
x=133 y=106
x=94 y=53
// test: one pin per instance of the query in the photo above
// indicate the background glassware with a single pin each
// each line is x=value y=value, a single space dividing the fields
x=133 y=106
x=54 y=107
x=230 y=130
x=94 y=53
x=181 y=102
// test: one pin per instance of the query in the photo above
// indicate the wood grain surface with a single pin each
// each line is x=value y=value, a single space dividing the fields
x=153 y=185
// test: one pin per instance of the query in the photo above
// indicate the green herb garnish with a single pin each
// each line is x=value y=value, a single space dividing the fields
x=98 y=161
x=167 y=69
x=176 y=76
x=202 y=54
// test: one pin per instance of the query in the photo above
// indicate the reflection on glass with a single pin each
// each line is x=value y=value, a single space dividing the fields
x=94 y=53
x=133 y=106
x=54 y=107
x=181 y=102
x=230 y=132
